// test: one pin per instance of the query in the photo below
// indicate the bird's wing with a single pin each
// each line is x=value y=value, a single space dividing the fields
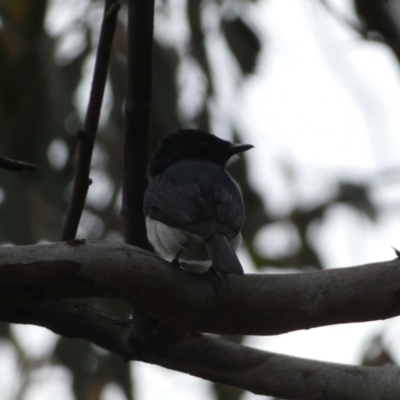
x=181 y=207
x=198 y=197
x=229 y=211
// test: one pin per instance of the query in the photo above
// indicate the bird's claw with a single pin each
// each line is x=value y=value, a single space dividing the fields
x=176 y=263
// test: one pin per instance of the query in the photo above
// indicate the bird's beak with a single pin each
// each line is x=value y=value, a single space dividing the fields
x=238 y=148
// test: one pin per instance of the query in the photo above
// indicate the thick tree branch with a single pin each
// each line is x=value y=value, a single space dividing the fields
x=260 y=372
x=88 y=134
x=266 y=373
x=253 y=304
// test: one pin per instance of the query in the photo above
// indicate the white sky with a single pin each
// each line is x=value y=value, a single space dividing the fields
x=326 y=102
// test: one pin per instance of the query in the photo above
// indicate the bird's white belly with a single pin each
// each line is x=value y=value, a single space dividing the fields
x=169 y=241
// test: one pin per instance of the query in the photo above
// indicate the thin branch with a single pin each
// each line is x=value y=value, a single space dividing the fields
x=253 y=304
x=88 y=134
x=137 y=118
x=260 y=372
x=15 y=165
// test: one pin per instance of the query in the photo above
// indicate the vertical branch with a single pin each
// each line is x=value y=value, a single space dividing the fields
x=137 y=118
x=88 y=134
x=137 y=130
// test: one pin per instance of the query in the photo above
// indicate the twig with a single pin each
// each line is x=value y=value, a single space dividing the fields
x=15 y=165
x=137 y=118
x=88 y=134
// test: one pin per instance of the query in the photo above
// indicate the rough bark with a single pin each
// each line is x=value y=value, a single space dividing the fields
x=203 y=356
x=262 y=304
x=37 y=282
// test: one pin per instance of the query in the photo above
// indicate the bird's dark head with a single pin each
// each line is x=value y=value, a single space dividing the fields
x=194 y=144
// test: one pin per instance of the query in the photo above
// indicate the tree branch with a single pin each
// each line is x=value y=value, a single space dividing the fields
x=253 y=304
x=15 y=165
x=137 y=131
x=88 y=134
x=267 y=373
x=72 y=319
x=260 y=372
x=137 y=118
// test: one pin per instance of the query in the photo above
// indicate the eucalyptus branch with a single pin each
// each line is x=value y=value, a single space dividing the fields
x=262 y=304
x=260 y=372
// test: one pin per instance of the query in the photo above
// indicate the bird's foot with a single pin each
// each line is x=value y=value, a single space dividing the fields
x=175 y=261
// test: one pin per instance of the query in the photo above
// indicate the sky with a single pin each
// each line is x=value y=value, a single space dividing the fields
x=325 y=102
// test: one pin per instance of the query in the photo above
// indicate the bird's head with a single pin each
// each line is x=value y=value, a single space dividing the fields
x=195 y=144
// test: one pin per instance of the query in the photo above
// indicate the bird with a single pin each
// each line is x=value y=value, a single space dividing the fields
x=193 y=209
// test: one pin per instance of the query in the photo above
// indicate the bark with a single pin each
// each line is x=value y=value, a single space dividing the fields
x=203 y=356
x=37 y=282
x=261 y=304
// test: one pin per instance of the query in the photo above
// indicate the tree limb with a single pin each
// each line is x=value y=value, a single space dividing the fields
x=257 y=371
x=253 y=304
x=88 y=134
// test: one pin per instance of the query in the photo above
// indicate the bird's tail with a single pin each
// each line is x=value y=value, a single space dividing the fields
x=223 y=256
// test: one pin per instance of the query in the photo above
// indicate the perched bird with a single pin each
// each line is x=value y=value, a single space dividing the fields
x=194 y=210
